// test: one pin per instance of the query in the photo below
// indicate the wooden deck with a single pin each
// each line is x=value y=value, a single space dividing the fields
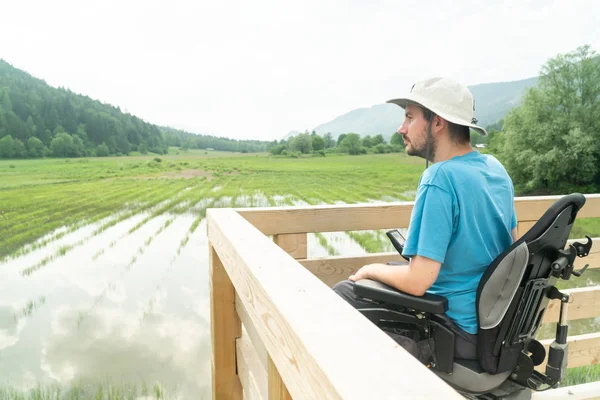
x=279 y=331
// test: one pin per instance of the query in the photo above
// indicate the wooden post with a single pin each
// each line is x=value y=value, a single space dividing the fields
x=277 y=389
x=225 y=328
x=294 y=244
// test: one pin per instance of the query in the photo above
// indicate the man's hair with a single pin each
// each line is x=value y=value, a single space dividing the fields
x=459 y=134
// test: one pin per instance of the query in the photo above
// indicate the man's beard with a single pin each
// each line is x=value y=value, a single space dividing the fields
x=422 y=151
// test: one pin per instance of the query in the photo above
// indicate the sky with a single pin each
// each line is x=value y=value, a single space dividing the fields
x=259 y=69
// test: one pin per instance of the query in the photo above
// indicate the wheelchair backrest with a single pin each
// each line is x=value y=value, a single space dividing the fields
x=512 y=293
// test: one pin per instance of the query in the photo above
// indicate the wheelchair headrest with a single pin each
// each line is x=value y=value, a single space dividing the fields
x=576 y=200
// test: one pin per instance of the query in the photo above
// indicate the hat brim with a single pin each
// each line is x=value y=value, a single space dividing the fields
x=403 y=102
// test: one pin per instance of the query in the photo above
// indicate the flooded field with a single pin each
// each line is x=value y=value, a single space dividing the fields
x=110 y=298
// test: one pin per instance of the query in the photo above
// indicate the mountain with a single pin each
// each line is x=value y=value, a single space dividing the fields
x=492 y=102
x=39 y=120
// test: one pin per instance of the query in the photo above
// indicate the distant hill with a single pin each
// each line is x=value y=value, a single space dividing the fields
x=39 y=120
x=492 y=102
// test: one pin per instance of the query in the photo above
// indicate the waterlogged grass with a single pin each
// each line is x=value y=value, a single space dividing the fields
x=40 y=196
x=323 y=242
x=30 y=307
x=85 y=391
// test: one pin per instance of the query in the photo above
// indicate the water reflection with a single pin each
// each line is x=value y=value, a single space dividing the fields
x=132 y=305
x=106 y=318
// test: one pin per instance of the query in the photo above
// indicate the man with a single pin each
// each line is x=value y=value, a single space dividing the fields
x=463 y=215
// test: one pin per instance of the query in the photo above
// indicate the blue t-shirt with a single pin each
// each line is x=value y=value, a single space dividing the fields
x=463 y=217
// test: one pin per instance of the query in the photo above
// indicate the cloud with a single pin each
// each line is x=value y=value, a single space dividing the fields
x=115 y=346
x=260 y=69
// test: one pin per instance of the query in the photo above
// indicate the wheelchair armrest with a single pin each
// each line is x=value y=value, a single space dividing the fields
x=378 y=291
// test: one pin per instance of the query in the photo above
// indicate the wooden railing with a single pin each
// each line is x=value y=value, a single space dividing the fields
x=280 y=332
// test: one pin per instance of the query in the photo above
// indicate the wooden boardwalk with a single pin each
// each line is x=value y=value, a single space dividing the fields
x=280 y=332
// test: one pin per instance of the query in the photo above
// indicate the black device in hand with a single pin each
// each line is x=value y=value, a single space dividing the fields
x=398 y=241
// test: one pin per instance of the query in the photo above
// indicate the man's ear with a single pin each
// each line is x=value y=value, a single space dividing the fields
x=438 y=124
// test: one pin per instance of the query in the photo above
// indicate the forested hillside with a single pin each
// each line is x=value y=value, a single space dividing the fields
x=38 y=120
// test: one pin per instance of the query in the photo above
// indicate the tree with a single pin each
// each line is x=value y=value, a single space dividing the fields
x=329 y=142
x=15 y=127
x=377 y=139
x=78 y=149
x=397 y=140
x=341 y=138
x=7 y=147
x=62 y=145
x=366 y=141
x=318 y=143
x=380 y=148
x=277 y=150
x=5 y=102
x=19 y=149
x=301 y=143
x=553 y=138
x=352 y=143
x=35 y=148
x=102 y=150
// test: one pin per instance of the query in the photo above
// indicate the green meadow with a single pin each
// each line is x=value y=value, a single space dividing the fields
x=103 y=261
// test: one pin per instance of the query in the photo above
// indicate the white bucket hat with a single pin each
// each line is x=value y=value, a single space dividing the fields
x=446 y=98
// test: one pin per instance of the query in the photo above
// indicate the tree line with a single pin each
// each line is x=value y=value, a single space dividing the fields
x=351 y=143
x=37 y=120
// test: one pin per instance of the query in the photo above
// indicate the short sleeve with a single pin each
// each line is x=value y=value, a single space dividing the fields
x=431 y=224
x=513 y=223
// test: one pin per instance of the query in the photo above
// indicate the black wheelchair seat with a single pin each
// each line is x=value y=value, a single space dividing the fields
x=512 y=297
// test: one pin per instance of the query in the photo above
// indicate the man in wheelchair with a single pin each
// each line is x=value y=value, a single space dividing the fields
x=471 y=297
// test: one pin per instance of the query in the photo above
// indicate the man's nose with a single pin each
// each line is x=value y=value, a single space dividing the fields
x=402 y=130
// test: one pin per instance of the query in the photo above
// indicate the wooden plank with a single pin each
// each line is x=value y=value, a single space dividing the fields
x=586 y=391
x=523 y=227
x=225 y=328
x=328 y=218
x=349 y=217
x=253 y=375
x=277 y=389
x=331 y=270
x=585 y=303
x=533 y=207
x=248 y=324
x=583 y=350
x=305 y=326
x=294 y=244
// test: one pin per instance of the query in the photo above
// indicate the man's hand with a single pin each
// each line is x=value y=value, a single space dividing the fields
x=365 y=272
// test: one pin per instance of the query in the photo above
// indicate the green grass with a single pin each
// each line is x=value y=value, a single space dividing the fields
x=39 y=196
x=579 y=375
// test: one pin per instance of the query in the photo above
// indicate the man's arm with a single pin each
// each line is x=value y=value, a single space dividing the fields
x=413 y=278
x=514 y=234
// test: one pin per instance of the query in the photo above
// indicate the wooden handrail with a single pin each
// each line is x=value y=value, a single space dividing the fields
x=354 y=217
x=313 y=337
x=279 y=333
x=333 y=269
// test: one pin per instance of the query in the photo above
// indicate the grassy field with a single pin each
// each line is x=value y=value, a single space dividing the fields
x=39 y=196
x=92 y=248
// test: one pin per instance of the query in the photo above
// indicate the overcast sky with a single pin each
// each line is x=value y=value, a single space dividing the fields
x=258 y=69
